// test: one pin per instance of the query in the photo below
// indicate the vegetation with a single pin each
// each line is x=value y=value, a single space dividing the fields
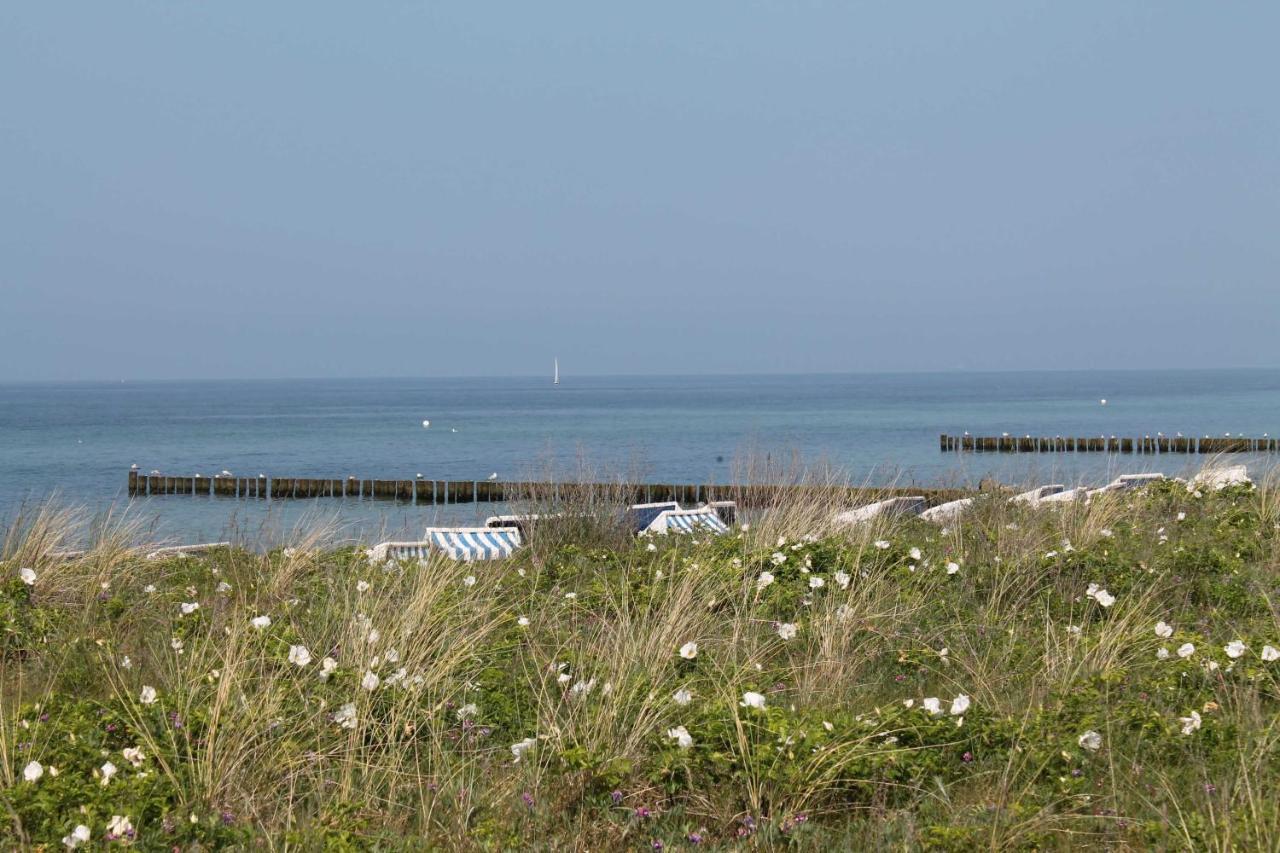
x=1078 y=676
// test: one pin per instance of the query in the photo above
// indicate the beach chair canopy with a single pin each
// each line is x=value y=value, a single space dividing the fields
x=460 y=543
x=701 y=520
x=641 y=516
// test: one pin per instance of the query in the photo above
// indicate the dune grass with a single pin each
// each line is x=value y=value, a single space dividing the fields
x=894 y=685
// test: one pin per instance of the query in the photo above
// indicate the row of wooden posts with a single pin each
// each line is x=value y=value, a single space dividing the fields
x=438 y=492
x=1106 y=444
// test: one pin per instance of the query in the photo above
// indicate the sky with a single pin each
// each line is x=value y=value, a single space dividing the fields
x=299 y=189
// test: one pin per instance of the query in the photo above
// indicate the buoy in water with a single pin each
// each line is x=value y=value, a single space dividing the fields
x=1103 y=401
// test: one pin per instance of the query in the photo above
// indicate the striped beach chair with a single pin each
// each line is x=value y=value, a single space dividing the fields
x=701 y=520
x=641 y=516
x=460 y=543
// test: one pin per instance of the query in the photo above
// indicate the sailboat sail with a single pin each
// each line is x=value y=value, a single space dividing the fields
x=556 y=380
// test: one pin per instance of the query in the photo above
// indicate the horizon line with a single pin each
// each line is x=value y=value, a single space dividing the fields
x=570 y=376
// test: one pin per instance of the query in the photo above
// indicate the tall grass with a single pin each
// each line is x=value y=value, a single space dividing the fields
x=573 y=647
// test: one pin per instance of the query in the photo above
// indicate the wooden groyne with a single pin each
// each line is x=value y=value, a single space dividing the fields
x=1105 y=444
x=447 y=492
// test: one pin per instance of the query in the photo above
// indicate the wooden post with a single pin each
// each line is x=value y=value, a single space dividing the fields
x=424 y=492
x=1126 y=445
x=133 y=483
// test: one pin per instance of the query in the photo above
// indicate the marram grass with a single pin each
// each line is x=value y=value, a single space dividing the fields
x=1050 y=679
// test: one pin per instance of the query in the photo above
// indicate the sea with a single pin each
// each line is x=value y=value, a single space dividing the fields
x=73 y=443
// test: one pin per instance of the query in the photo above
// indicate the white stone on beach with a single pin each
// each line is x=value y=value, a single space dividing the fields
x=1219 y=477
x=890 y=508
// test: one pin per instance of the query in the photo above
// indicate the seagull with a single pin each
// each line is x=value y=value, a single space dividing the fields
x=453 y=429
x=426 y=424
x=225 y=473
x=133 y=467
x=419 y=475
x=493 y=476
x=1103 y=401
x=155 y=470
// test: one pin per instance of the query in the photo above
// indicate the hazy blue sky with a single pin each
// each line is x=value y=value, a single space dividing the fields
x=239 y=189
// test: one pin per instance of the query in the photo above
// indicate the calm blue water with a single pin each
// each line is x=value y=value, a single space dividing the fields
x=80 y=439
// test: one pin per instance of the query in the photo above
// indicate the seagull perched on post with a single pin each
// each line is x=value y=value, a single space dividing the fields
x=493 y=476
x=226 y=473
x=133 y=467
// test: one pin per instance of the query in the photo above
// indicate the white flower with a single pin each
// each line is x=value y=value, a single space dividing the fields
x=682 y=696
x=1186 y=650
x=392 y=656
x=1235 y=649
x=176 y=644
x=689 y=650
x=299 y=655
x=362 y=586
x=327 y=666
x=120 y=826
x=370 y=681
x=1162 y=653
x=33 y=771
x=1270 y=653
x=1090 y=740
x=148 y=695
x=959 y=705
x=523 y=621
x=149 y=588
x=346 y=716
x=189 y=607
x=582 y=688
x=1182 y=516
x=466 y=711
x=816 y=582
x=519 y=749
x=844 y=613
x=79 y=835
x=108 y=770
x=373 y=636
x=914 y=554
x=28 y=576
x=469 y=580
x=787 y=630
x=908 y=703
x=744 y=527
x=752 y=699
x=260 y=622
x=570 y=596
x=681 y=736
x=564 y=678
x=1104 y=598
x=126 y=662
x=224 y=587
x=882 y=544
x=1191 y=723
x=778 y=558
x=1106 y=532
x=932 y=705
x=1075 y=630
x=1164 y=630
x=953 y=567
x=764 y=580
x=842 y=578
x=649 y=547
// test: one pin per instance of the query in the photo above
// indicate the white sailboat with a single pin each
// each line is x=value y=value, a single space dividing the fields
x=556 y=379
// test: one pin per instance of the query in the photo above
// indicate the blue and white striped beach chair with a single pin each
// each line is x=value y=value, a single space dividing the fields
x=701 y=520
x=641 y=516
x=460 y=543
